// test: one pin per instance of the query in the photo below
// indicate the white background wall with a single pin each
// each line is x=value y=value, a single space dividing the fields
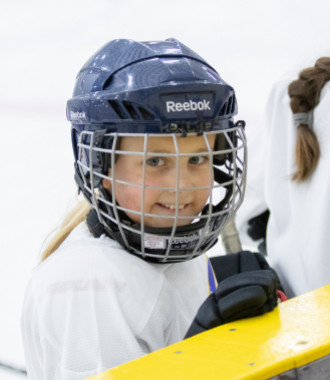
x=43 y=44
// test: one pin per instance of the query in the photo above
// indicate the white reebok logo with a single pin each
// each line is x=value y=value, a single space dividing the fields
x=77 y=115
x=188 y=106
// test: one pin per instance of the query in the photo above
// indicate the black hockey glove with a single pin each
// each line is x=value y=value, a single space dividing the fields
x=247 y=287
x=234 y=263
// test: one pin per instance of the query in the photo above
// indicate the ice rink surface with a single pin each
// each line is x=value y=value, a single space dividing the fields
x=43 y=45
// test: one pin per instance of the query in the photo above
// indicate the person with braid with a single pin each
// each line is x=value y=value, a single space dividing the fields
x=288 y=203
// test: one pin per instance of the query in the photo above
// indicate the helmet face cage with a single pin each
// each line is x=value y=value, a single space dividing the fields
x=151 y=229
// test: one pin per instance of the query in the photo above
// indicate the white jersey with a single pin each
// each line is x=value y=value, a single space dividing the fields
x=92 y=306
x=298 y=238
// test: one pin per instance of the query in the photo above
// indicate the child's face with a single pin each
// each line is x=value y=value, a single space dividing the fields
x=160 y=171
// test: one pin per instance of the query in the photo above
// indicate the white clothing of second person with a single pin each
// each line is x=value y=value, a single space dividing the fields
x=298 y=239
x=91 y=306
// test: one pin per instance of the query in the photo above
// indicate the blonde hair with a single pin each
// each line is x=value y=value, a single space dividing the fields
x=75 y=216
x=304 y=97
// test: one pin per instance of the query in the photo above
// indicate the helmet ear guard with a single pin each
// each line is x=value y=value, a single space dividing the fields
x=226 y=142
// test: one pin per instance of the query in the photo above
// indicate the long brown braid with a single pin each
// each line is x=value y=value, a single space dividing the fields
x=305 y=95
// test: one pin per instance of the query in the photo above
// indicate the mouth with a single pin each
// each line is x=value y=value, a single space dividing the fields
x=172 y=207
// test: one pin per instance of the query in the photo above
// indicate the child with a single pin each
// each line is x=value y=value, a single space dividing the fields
x=296 y=179
x=162 y=165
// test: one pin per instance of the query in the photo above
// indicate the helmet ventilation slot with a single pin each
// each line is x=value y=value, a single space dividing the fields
x=228 y=107
x=128 y=111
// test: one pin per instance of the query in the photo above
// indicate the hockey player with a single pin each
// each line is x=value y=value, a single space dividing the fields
x=296 y=180
x=162 y=167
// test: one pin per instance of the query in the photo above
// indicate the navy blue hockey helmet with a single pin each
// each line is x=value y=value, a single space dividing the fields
x=155 y=88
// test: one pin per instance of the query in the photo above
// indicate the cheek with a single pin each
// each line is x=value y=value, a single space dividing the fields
x=204 y=194
x=202 y=197
x=128 y=196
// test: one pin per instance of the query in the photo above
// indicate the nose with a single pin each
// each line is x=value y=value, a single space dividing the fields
x=181 y=179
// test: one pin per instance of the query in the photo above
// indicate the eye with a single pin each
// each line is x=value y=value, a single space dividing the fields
x=155 y=161
x=197 y=160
